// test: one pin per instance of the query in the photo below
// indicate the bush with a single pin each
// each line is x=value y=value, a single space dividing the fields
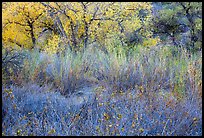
x=12 y=63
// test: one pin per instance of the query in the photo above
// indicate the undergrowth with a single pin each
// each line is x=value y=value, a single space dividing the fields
x=145 y=91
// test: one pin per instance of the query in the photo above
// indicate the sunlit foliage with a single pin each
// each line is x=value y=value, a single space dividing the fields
x=77 y=24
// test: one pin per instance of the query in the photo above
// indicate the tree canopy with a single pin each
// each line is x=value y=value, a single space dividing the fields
x=55 y=26
x=74 y=24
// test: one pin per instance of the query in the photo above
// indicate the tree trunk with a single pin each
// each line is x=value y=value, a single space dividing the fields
x=74 y=41
x=86 y=26
x=86 y=35
x=32 y=36
x=58 y=24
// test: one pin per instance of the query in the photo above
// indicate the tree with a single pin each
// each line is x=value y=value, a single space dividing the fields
x=88 y=22
x=176 y=18
x=21 y=23
x=75 y=25
x=193 y=13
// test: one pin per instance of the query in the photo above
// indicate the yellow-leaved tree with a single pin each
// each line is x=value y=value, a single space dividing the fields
x=21 y=23
x=75 y=25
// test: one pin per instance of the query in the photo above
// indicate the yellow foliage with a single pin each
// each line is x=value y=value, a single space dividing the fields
x=151 y=42
x=101 y=19
x=16 y=18
x=106 y=116
x=52 y=44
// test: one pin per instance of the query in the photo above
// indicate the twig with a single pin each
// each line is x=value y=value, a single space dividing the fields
x=165 y=127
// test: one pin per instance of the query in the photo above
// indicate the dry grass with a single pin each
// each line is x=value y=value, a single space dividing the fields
x=155 y=91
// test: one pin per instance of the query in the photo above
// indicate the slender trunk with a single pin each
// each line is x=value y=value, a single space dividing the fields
x=86 y=27
x=121 y=31
x=61 y=28
x=32 y=36
x=192 y=38
x=173 y=39
x=74 y=41
x=58 y=25
x=86 y=35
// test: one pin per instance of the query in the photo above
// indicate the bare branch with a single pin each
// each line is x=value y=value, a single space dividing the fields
x=94 y=15
x=12 y=41
x=17 y=23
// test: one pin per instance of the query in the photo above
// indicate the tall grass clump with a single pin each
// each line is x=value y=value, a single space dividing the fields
x=62 y=72
x=148 y=69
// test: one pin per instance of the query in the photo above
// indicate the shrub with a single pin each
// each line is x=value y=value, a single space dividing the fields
x=12 y=63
